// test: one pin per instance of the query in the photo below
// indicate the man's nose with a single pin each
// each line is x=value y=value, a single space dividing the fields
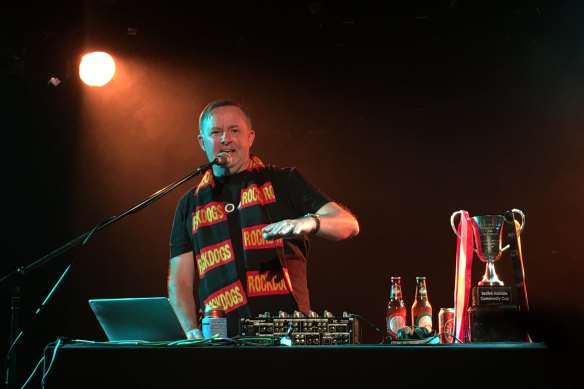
x=225 y=138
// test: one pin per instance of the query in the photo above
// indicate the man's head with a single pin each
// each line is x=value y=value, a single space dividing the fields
x=225 y=126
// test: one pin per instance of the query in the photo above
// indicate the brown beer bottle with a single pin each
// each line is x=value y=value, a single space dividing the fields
x=421 y=308
x=396 y=310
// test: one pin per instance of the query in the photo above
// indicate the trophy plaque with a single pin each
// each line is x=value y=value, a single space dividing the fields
x=492 y=316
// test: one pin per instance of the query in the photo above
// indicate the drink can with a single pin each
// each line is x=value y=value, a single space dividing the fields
x=214 y=322
x=214 y=311
x=446 y=324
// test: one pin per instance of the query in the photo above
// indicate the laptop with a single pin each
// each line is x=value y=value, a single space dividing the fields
x=150 y=319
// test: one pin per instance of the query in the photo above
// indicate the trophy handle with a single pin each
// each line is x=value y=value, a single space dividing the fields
x=452 y=217
x=452 y=222
x=520 y=213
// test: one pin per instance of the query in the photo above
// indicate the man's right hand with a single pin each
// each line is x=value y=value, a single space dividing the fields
x=195 y=333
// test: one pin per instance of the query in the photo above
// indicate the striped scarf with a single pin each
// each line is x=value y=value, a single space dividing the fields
x=266 y=274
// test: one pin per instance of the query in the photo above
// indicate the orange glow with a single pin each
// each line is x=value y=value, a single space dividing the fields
x=97 y=68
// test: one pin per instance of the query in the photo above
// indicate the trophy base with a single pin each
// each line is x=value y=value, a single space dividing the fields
x=496 y=323
x=492 y=317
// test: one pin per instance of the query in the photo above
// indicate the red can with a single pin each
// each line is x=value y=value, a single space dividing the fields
x=446 y=325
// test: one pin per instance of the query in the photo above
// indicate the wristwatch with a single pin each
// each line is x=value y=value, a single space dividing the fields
x=316 y=219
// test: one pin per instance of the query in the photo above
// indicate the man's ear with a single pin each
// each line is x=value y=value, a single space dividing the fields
x=251 y=137
x=200 y=139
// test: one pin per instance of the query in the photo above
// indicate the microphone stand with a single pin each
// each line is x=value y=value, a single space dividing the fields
x=24 y=270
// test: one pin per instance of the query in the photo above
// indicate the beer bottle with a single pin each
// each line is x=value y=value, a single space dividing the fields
x=421 y=308
x=396 y=310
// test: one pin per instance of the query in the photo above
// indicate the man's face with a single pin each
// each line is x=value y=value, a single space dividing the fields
x=227 y=130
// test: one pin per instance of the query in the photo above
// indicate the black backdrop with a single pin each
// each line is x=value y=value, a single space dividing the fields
x=403 y=113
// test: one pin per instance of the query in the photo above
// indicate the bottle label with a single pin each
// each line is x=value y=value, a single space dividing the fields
x=424 y=320
x=395 y=322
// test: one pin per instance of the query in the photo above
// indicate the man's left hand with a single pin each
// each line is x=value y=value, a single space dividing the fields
x=289 y=228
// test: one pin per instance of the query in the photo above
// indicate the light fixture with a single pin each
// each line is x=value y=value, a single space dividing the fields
x=97 y=68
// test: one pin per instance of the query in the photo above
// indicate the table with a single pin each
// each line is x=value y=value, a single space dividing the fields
x=105 y=365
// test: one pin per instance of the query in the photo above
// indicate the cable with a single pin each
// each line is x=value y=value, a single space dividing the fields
x=456 y=340
x=371 y=324
x=59 y=343
x=33 y=373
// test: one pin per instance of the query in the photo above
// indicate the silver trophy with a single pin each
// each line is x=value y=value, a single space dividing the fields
x=488 y=233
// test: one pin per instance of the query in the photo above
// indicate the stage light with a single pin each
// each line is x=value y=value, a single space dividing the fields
x=97 y=68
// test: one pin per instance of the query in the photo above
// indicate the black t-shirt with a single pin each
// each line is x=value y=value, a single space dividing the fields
x=295 y=195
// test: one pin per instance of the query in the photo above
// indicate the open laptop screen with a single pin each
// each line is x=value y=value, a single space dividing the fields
x=149 y=319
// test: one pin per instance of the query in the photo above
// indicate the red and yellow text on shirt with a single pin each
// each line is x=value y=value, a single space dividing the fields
x=258 y=284
x=206 y=181
x=208 y=214
x=253 y=195
x=252 y=238
x=231 y=297
x=213 y=256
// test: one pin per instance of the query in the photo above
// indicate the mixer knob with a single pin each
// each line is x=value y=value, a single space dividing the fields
x=283 y=314
x=327 y=314
x=297 y=314
x=345 y=315
x=265 y=315
x=311 y=313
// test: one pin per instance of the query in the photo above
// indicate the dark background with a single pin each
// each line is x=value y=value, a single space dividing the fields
x=405 y=113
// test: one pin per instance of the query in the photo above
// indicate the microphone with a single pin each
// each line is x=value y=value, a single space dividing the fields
x=222 y=159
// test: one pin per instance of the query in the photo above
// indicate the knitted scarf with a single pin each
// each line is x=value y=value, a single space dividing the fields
x=219 y=283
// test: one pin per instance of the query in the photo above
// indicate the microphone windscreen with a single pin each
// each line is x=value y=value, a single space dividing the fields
x=223 y=159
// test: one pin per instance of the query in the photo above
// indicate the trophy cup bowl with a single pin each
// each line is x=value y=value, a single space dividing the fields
x=488 y=233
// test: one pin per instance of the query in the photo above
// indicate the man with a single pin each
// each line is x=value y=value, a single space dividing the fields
x=241 y=235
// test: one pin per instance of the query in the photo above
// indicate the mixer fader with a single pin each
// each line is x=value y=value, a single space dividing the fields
x=310 y=329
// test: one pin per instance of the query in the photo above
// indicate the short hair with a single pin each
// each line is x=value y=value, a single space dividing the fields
x=206 y=112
